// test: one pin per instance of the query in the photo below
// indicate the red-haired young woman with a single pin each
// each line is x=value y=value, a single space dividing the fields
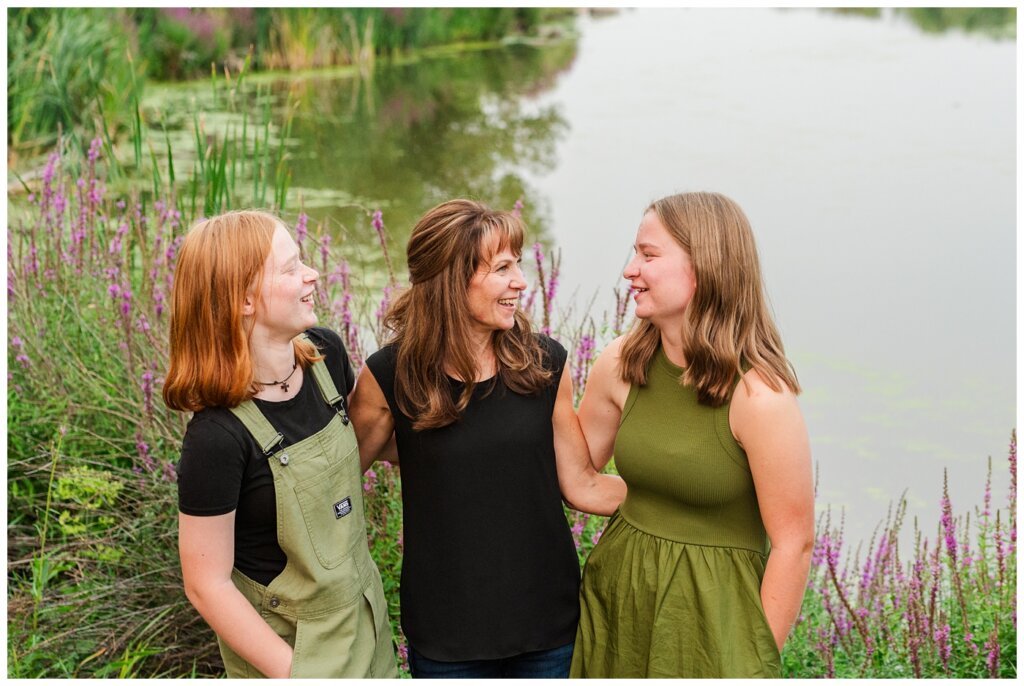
x=271 y=531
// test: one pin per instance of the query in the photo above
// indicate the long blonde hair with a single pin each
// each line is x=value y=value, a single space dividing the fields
x=430 y=321
x=221 y=261
x=728 y=323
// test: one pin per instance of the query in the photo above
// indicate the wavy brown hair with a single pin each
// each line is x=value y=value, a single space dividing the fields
x=430 y=321
x=729 y=327
x=220 y=262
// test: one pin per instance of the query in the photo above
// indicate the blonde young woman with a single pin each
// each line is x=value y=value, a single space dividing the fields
x=489 y=444
x=271 y=532
x=702 y=571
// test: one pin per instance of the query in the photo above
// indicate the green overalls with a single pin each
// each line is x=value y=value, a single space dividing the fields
x=328 y=602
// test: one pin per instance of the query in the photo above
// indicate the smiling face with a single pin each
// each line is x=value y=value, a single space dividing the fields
x=661 y=274
x=287 y=291
x=493 y=292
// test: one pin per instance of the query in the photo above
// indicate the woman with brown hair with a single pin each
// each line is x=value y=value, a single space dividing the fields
x=489 y=444
x=271 y=532
x=702 y=571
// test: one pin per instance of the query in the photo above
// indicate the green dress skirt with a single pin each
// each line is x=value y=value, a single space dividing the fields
x=673 y=587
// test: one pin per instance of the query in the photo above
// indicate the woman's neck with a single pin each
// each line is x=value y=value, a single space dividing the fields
x=481 y=347
x=672 y=344
x=273 y=361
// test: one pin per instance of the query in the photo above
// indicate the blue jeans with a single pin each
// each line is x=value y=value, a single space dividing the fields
x=542 y=664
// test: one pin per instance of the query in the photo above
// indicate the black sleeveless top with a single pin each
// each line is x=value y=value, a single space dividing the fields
x=489 y=567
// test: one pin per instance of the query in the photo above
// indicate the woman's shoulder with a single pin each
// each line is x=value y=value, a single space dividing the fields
x=555 y=353
x=382 y=362
x=385 y=354
x=755 y=395
x=216 y=429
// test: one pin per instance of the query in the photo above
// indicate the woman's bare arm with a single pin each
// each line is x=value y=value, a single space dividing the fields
x=581 y=485
x=770 y=427
x=372 y=420
x=206 y=546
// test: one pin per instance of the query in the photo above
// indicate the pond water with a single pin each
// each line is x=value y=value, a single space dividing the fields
x=875 y=160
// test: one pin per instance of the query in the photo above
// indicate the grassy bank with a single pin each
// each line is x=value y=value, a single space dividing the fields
x=94 y=588
x=70 y=68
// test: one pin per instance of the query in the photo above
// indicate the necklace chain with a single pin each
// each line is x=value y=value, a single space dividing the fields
x=283 y=383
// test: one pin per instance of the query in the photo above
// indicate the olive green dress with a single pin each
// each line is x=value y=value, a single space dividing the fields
x=673 y=587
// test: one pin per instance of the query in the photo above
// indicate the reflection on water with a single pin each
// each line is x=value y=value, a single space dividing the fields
x=418 y=134
x=997 y=22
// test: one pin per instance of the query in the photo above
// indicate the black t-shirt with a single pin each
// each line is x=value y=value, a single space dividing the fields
x=489 y=567
x=222 y=469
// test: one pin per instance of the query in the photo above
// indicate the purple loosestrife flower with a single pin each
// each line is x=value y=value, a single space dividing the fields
x=819 y=551
x=1013 y=497
x=942 y=643
x=23 y=360
x=33 y=260
x=382 y=310
x=94 y=149
x=528 y=303
x=147 y=393
x=371 y=480
x=17 y=342
x=115 y=243
x=126 y=302
x=997 y=538
x=158 y=301
x=300 y=228
x=538 y=257
x=170 y=474
x=96 y=191
x=992 y=656
x=552 y=285
x=517 y=208
x=325 y=251
x=50 y=169
x=986 y=510
x=584 y=355
x=948 y=525
x=143 y=449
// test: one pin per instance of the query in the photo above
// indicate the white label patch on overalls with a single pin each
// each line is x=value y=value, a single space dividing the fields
x=342 y=508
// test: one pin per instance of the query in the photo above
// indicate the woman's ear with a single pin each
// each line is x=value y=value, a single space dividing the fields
x=248 y=306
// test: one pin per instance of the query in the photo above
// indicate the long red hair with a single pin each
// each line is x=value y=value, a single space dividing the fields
x=221 y=262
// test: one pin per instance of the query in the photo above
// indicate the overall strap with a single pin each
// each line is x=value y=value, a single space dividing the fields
x=265 y=434
x=327 y=387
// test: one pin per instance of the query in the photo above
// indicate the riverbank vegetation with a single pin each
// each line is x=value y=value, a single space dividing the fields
x=68 y=68
x=94 y=587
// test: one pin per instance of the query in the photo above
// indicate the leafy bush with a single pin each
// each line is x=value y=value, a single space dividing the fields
x=65 y=69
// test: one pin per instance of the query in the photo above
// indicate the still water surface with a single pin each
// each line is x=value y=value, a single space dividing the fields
x=875 y=161
x=877 y=166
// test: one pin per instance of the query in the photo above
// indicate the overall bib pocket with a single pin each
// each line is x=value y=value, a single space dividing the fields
x=331 y=505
